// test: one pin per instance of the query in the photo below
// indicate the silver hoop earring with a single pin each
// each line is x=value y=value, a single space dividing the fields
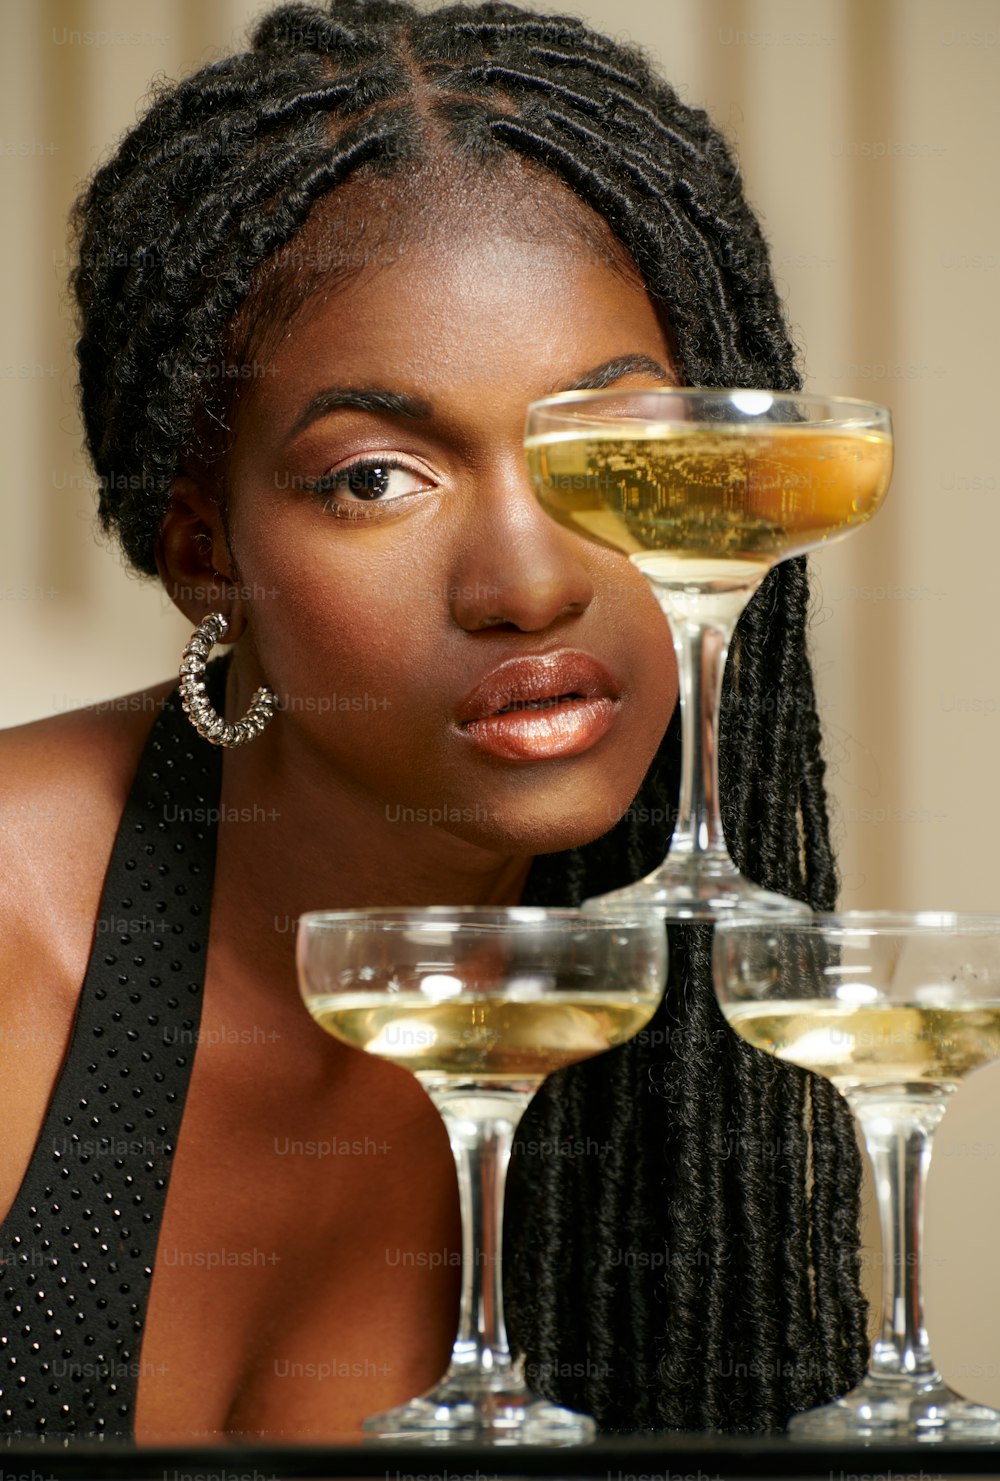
x=195 y=702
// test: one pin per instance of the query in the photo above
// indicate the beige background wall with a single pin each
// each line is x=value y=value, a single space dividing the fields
x=868 y=132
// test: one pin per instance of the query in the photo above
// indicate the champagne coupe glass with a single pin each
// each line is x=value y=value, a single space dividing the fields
x=705 y=491
x=481 y=1004
x=895 y=1010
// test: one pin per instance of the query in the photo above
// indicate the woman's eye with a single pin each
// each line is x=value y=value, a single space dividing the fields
x=370 y=481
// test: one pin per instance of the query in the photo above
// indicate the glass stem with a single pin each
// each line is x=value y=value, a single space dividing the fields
x=481 y=1127
x=898 y=1134
x=701 y=624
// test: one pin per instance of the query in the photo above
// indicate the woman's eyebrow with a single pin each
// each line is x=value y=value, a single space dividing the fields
x=615 y=370
x=396 y=403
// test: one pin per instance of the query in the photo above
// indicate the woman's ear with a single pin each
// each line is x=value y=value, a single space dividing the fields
x=193 y=557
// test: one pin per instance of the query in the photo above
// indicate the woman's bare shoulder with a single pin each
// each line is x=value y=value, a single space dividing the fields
x=87 y=749
x=64 y=781
x=63 y=784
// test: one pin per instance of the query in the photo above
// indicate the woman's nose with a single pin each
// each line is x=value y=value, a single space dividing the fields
x=515 y=566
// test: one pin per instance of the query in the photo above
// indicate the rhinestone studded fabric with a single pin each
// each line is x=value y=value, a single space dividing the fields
x=78 y=1246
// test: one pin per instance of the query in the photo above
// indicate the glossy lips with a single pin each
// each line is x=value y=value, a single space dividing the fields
x=541 y=708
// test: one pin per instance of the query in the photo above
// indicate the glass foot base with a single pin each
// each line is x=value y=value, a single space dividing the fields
x=897 y=1409
x=488 y=1410
x=702 y=890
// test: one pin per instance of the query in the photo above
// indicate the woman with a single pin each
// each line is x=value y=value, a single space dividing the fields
x=318 y=285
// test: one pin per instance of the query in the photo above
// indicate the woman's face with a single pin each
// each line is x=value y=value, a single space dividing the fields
x=442 y=648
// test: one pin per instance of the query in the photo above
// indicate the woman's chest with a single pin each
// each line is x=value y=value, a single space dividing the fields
x=306 y=1272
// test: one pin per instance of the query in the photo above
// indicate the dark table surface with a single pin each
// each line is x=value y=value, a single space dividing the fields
x=647 y=1457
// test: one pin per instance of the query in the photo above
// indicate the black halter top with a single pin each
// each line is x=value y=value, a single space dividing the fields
x=78 y=1245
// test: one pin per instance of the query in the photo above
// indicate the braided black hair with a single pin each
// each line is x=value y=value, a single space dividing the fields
x=682 y=1246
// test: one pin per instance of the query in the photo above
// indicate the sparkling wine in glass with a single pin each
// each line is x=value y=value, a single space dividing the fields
x=895 y=1010
x=705 y=491
x=481 y=1004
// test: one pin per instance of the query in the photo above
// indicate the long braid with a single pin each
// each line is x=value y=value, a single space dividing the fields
x=789 y=1150
x=696 y=1263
